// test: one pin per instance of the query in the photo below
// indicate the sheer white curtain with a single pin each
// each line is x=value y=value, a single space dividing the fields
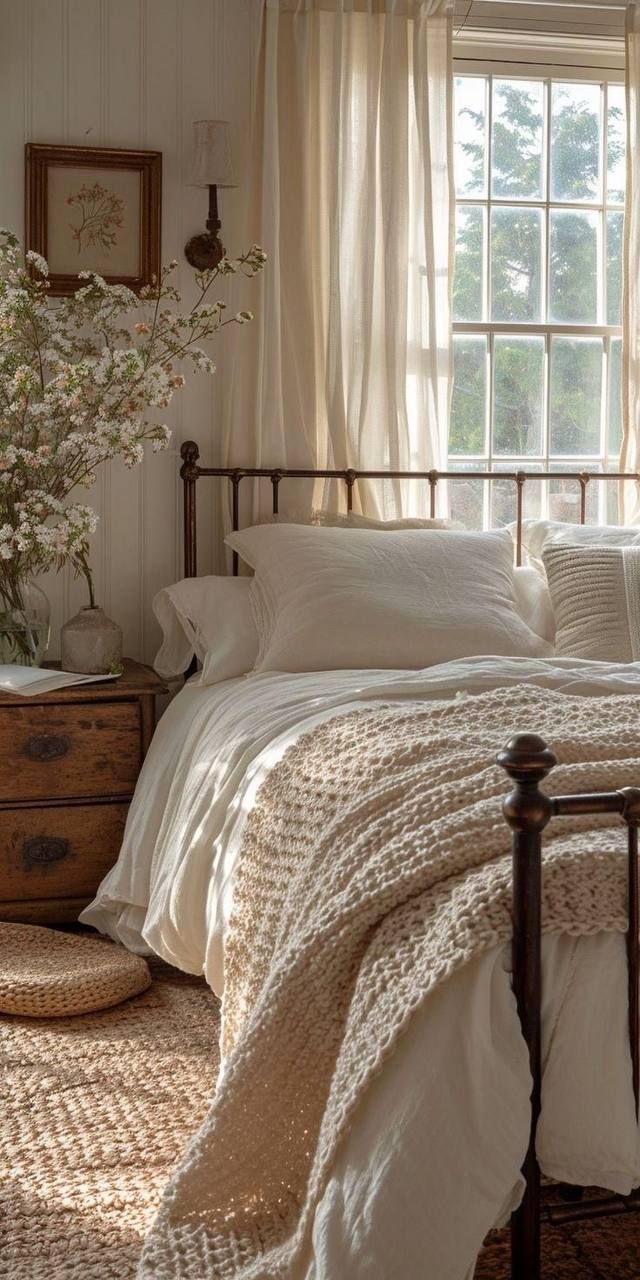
x=630 y=453
x=352 y=198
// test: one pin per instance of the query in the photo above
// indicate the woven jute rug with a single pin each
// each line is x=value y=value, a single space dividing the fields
x=603 y=1249
x=95 y=1111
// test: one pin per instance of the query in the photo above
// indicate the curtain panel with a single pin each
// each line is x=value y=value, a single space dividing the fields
x=630 y=452
x=352 y=197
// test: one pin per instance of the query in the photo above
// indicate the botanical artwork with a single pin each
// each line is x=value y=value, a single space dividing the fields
x=93 y=220
x=94 y=209
x=99 y=216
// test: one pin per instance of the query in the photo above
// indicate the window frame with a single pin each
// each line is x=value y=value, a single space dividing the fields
x=549 y=65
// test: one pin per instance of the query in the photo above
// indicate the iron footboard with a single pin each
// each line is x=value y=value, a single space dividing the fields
x=527 y=760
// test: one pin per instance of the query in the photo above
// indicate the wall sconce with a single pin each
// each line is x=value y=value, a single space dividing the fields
x=211 y=168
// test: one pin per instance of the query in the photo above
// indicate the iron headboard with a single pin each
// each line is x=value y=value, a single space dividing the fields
x=191 y=472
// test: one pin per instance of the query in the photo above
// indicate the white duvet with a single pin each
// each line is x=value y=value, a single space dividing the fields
x=433 y=1160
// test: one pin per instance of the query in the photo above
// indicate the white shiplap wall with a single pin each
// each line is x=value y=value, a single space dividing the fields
x=131 y=73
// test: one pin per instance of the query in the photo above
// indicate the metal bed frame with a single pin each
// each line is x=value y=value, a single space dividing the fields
x=527 y=760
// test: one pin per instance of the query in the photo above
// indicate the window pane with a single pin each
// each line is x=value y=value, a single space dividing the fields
x=466 y=498
x=573 y=267
x=565 y=498
x=516 y=155
x=468 y=277
x=611 y=513
x=517 y=395
x=615 y=397
x=575 y=141
x=516 y=251
x=574 y=411
x=504 y=501
x=614 y=267
x=467 y=434
x=616 y=143
x=470 y=135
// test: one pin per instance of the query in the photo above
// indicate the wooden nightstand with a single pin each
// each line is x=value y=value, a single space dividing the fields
x=69 y=761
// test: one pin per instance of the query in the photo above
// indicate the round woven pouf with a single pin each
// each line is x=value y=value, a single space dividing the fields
x=47 y=974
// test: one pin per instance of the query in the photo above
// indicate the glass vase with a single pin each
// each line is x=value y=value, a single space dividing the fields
x=24 y=626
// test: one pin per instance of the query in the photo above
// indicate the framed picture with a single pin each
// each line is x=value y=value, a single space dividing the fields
x=94 y=209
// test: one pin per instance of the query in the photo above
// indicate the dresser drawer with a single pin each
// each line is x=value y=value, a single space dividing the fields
x=60 y=852
x=63 y=752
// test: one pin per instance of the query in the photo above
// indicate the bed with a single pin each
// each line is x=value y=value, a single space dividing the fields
x=411 y=1168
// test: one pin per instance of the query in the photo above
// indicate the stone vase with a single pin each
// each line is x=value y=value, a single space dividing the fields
x=90 y=643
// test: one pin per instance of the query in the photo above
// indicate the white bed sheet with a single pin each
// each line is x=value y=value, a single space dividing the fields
x=433 y=1159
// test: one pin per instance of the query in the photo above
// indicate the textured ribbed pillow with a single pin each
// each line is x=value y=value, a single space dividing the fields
x=595 y=593
x=327 y=599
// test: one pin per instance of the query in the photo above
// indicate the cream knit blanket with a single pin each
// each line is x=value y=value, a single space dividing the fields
x=373 y=865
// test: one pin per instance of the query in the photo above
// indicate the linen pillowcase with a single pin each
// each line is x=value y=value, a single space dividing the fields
x=208 y=618
x=596 y=600
x=539 y=534
x=533 y=601
x=328 y=598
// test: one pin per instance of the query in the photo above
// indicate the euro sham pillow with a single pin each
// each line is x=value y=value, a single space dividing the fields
x=210 y=619
x=533 y=601
x=595 y=593
x=331 y=598
x=539 y=534
x=353 y=520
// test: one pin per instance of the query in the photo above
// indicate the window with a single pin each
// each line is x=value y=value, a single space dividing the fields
x=537 y=289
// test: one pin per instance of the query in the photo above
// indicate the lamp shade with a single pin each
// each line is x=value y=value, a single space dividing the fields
x=212 y=155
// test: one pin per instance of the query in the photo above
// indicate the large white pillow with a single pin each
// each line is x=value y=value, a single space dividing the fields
x=331 y=598
x=210 y=619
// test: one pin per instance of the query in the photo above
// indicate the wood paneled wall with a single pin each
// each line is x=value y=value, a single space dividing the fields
x=131 y=73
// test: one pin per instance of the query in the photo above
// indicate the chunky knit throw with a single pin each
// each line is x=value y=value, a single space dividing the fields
x=374 y=864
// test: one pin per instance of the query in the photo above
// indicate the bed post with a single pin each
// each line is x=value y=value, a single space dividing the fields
x=189 y=472
x=527 y=760
x=631 y=815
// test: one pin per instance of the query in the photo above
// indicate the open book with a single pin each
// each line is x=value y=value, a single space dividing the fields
x=31 y=680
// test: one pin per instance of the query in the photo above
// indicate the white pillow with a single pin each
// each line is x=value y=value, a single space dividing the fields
x=538 y=534
x=332 y=598
x=210 y=619
x=533 y=599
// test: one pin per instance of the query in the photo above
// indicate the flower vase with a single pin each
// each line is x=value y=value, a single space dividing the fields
x=24 y=625
x=90 y=643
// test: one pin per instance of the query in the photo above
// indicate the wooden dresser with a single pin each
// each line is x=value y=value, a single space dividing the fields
x=69 y=761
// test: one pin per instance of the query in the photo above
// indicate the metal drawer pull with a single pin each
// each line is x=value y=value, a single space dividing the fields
x=39 y=851
x=47 y=746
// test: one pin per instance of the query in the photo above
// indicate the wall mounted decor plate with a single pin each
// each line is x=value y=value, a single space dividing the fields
x=94 y=209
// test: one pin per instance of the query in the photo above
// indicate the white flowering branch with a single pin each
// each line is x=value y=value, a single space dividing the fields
x=76 y=384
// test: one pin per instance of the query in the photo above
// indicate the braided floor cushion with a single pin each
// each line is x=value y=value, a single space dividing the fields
x=47 y=974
